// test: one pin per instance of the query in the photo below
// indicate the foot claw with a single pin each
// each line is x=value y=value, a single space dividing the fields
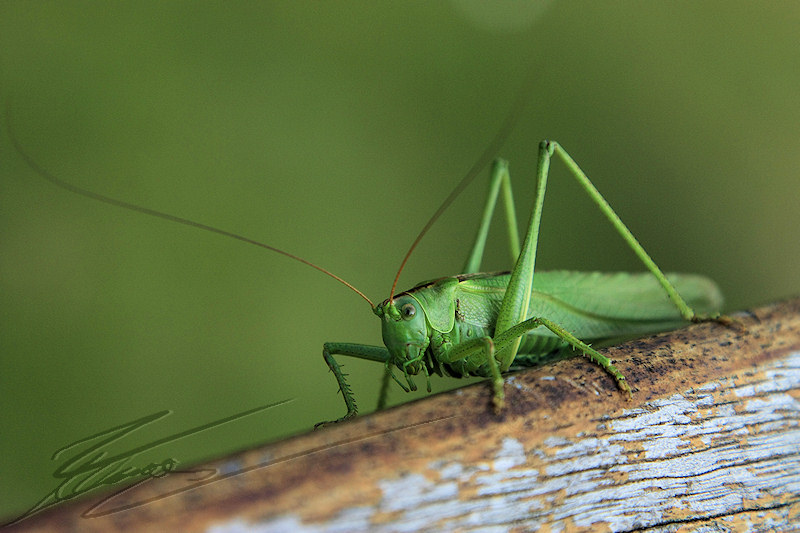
x=723 y=320
x=625 y=388
x=346 y=417
x=498 y=403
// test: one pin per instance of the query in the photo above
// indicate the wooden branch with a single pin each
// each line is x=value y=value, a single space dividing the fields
x=711 y=439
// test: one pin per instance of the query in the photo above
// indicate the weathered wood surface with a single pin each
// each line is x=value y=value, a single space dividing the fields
x=709 y=442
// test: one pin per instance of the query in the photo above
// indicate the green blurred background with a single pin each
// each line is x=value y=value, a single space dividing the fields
x=334 y=130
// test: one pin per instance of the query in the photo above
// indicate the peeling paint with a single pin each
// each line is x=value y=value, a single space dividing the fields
x=675 y=457
x=510 y=455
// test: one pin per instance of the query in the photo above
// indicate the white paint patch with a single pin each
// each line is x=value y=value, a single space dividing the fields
x=511 y=454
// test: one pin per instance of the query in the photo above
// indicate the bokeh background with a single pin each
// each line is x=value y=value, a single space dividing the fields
x=334 y=130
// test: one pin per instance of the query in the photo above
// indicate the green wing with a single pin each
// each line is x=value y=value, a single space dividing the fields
x=595 y=305
x=625 y=296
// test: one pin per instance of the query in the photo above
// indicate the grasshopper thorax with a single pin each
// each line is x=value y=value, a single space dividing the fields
x=405 y=332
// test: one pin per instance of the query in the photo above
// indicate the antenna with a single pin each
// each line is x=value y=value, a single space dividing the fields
x=158 y=214
x=487 y=155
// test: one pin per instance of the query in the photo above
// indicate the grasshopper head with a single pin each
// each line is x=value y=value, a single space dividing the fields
x=405 y=332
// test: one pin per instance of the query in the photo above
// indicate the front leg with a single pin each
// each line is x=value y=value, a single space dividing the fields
x=361 y=351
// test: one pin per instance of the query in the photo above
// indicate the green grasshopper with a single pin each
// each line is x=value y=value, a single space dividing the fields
x=479 y=324
x=483 y=324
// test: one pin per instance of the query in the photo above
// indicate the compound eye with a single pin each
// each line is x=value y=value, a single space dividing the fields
x=408 y=310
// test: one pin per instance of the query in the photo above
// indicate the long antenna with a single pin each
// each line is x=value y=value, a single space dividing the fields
x=487 y=155
x=166 y=216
